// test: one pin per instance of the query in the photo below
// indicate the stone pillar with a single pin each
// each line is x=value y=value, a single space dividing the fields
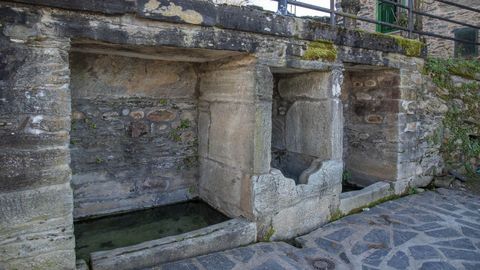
x=234 y=132
x=36 y=225
x=350 y=7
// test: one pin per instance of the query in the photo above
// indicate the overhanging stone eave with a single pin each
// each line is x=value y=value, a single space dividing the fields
x=245 y=19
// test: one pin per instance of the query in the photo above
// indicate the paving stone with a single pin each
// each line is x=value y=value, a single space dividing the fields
x=471 y=266
x=216 y=261
x=463 y=243
x=399 y=261
x=344 y=258
x=243 y=254
x=427 y=226
x=400 y=226
x=266 y=248
x=340 y=235
x=378 y=236
x=423 y=252
x=354 y=219
x=376 y=257
x=182 y=265
x=270 y=264
x=366 y=267
x=403 y=219
x=428 y=218
x=359 y=248
x=391 y=205
x=456 y=254
x=412 y=211
x=329 y=246
x=424 y=240
x=441 y=211
x=443 y=233
x=400 y=237
x=449 y=207
x=437 y=266
x=469 y=232
x=470 y=214
x=471 y=224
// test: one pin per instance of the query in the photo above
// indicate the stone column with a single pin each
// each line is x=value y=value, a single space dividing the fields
x=234 y=132
x=350 y=7
x=36 y=225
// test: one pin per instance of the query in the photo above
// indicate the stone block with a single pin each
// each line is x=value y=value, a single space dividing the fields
x=313 y=128
x=228 y=83
x=224 y=187
x=31 y=213
x=323 y=173
x=262 y=138
x=302 y=217
x=218 y=237
x=109 y=76
x=313 y=85
x=230 y=139
x=361 y=198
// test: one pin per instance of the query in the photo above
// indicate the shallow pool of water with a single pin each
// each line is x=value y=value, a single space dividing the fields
x=132 y=228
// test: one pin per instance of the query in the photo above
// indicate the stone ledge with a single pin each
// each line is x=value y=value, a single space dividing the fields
x=222 y=236
x=360 y=198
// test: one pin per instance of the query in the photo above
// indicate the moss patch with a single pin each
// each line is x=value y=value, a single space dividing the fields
x=460 y=146
x=268 y=235
x=336 y=215
x=321 y=50
x=372 y=204
x=411 y=47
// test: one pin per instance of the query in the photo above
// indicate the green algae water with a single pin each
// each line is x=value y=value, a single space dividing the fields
x=132 y=228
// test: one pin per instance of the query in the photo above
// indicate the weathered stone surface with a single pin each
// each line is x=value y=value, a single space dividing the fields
x=315 y=85
x=128 y=162
x=322 y=173
x=371 y=133
x=138 y=57
x=312 y=137
x=226 y=235
x=36 y=225
x=356 y=199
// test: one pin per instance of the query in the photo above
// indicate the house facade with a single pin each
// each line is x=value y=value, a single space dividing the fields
x=377 y=10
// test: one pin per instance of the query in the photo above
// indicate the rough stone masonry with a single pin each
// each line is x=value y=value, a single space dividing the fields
x=111 y=106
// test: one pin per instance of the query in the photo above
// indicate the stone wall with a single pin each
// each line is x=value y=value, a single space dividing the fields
x=442 y=47
x=36 y=202
x=368 y=9
x=234 y=113
x=134 y=134
x=371 y=106
x=436 y=47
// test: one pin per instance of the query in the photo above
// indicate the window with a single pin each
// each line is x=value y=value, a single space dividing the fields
x=466 y=49
x=390 y=14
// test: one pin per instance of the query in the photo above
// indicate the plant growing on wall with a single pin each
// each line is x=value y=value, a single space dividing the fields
x=461 y=141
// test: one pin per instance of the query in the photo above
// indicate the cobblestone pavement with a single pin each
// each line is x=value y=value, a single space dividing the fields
x=438 y=230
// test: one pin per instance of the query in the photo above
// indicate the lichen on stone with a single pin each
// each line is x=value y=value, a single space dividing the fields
x=321 y=50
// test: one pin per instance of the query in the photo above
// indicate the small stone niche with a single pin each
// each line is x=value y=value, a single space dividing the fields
x=304 y=116
x=371 y=109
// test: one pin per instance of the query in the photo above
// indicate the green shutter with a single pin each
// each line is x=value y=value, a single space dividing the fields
x=386 y=13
